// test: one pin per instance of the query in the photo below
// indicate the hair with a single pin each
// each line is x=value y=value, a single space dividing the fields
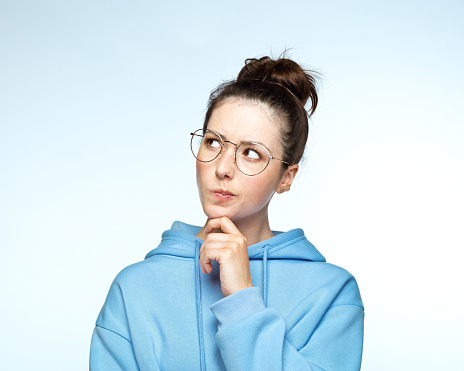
x=281 y=85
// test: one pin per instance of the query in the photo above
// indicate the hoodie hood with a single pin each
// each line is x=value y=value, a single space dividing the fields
x=181 y=241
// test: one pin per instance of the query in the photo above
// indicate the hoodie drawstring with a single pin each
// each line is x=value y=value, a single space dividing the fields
x=265 y=252
x=201 y=338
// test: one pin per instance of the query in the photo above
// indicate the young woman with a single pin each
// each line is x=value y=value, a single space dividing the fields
x=233 y=294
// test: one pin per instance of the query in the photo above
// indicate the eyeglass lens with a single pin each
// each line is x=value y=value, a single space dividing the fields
x=251 y=158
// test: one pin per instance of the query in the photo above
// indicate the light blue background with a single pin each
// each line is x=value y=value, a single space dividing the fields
x=97 y=99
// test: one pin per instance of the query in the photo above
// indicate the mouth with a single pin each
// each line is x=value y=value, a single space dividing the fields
x=222 y=195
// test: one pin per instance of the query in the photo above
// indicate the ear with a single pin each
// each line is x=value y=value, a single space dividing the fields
x=287 y=179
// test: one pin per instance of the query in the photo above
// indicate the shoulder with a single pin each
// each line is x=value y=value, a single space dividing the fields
x=341 y=282
x=154 y=272
x=323 y=280
x=140 y=271
x=333 y=271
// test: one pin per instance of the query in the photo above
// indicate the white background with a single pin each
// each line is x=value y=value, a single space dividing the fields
x=97 y=99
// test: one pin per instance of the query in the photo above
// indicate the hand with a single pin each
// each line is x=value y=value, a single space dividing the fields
x=230 y=250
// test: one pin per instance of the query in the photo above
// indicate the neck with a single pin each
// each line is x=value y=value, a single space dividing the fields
x=255 y=230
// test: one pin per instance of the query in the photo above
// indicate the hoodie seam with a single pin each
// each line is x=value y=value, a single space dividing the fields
x=172 y=257
x=325 y=314
x=347 y=305
x=183 y=241
x=114 y=332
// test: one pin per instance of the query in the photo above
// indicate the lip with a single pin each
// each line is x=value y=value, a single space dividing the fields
x=222 y=194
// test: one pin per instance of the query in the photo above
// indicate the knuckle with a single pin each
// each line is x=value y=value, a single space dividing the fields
x=228 y=253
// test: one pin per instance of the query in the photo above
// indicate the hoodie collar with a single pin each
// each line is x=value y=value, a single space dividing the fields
x=180 y=241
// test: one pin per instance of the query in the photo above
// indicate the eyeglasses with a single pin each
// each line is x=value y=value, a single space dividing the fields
x=251 y=158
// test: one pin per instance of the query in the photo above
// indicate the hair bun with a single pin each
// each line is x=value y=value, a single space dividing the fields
x=284 y=72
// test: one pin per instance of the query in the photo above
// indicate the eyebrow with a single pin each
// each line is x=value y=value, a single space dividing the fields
x=243 y=141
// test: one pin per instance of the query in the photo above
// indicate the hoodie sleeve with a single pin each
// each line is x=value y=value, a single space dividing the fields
x=110 y=351
x=111 y=346
x=253 y=337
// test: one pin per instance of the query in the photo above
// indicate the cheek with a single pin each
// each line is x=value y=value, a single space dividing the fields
x=260 y=191
x=200 y=174
x=204 y=176
x=201 y=171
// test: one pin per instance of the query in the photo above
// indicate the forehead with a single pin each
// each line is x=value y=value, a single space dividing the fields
x=240 y=121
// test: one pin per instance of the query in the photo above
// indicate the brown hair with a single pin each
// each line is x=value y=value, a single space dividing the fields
x=284 y=87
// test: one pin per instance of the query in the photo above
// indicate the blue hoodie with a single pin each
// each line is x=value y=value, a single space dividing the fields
x=164 y=314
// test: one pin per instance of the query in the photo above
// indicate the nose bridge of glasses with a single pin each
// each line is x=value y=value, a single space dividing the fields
x=224 y=148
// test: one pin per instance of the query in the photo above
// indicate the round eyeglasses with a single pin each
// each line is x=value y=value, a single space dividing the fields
x=251 y=158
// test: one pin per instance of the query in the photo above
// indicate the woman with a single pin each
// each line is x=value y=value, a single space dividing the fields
x=234 y=294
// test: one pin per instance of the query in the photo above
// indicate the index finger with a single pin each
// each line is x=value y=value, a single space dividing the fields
x=224 y=224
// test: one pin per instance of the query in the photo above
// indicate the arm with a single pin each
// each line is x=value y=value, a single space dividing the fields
x=323 y=332
x=253 y=337
x=111 y=347
x=111 y=351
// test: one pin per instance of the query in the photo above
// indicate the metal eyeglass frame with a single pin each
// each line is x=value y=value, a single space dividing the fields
x=223 y=142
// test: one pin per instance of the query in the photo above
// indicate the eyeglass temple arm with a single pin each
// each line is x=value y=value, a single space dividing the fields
x=275 y=158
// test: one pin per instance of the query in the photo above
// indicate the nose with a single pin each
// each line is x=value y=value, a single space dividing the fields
x=225 y=166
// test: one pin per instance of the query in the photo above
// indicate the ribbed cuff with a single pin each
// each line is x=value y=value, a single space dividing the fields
x=239 y=305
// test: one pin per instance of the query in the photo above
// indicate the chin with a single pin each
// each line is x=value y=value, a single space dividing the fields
x=214 y=212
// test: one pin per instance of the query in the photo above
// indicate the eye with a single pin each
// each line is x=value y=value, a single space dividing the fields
x=212 y=141
x=251 y=153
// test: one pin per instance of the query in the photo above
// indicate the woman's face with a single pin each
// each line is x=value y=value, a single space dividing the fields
x=224 y=190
